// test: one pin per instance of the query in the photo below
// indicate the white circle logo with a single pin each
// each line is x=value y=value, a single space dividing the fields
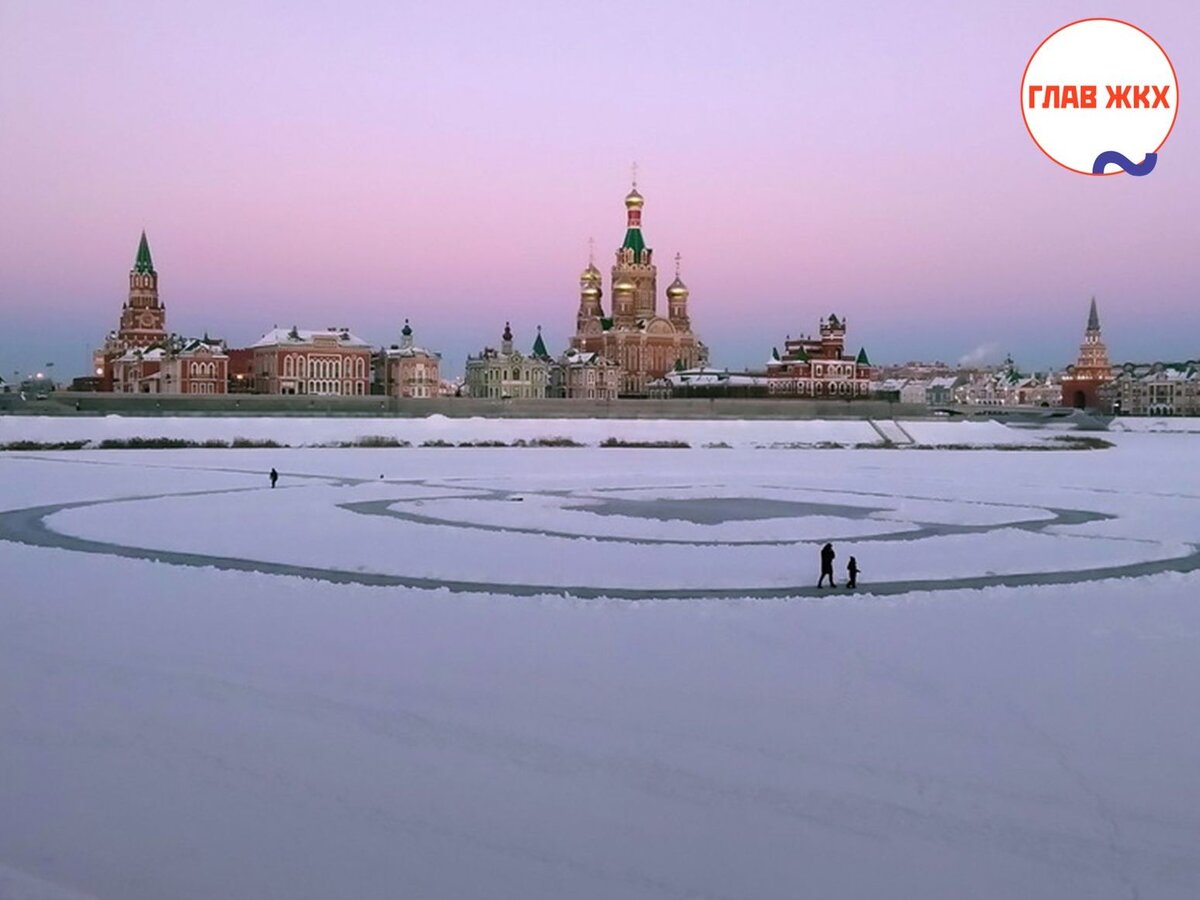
x=1099 y=96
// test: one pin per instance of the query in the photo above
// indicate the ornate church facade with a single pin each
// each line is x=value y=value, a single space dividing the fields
x=645 y=344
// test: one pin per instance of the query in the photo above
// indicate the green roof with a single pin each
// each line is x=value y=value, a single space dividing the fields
x=801 y=355
x=539 y=347
x=634 y=242
x=143 y=263
x=862 y=357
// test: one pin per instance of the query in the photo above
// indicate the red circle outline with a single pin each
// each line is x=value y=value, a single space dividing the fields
x=1021 y=98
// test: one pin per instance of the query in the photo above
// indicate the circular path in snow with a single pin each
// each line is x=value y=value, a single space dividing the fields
x=758 y=540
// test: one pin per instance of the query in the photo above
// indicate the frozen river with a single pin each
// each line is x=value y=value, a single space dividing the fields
x=588 y=673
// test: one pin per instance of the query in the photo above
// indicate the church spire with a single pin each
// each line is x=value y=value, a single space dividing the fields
x=539 y=346
x=1093 y=318
x=634 y=241
x=143 y=264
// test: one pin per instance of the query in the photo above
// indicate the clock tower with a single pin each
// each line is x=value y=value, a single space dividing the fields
x=143 y=317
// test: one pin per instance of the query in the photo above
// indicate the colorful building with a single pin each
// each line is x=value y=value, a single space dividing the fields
x=330 y=362
x=406 y=370
x=1155 y=389
x=819 y=367
x=580 y=375
x=174 y=366
x=508 y=374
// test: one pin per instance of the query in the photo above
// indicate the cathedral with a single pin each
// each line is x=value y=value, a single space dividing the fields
x=645 y=344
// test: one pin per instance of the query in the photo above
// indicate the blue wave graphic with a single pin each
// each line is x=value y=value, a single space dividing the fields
x=1145 y=167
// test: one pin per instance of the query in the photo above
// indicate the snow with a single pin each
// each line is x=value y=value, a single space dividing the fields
x=293 y=337
x=187 y=732
x=299 y=432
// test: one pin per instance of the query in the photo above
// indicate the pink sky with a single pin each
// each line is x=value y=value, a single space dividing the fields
x=356 y=164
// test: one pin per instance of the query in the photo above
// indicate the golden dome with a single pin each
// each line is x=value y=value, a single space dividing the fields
x=590 y=274
x=624 y=286
x=591 y=291
x=634 y=200
x=677 y=288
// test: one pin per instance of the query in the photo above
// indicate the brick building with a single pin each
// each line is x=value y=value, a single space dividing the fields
x=643 y=343
x=1084 y=381
x=328 y=362
x=819 y=367
x=407 y=370
x=143 y=322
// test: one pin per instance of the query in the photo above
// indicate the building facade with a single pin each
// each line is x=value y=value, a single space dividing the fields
x=1084 y=381
x=406 y=370
x=1008 y=386
x=643 y=343
x=143 y=322
x=331 y=362
x=174 y=366
x=508 y=374
x=1155 y=389
x=819 y=367
x=580 y=375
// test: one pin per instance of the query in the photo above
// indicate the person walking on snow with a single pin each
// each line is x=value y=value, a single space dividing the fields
x=827 y=556
x=852 y=573
x=274 y=477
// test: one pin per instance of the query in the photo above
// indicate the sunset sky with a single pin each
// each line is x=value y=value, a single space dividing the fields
x=359 y=163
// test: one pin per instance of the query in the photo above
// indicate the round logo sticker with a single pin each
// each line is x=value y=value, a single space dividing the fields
x=1099 y=97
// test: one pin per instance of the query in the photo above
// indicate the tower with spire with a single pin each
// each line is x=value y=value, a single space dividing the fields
x=645 y=343
x=143 y=323
x=635 y=261
x=1082 y=384
x=143 y=318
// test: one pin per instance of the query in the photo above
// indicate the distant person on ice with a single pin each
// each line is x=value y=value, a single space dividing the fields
x=852 y=573
x=274 y=477
x=827 y=556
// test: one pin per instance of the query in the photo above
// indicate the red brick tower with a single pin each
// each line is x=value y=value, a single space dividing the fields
x=1092 y=370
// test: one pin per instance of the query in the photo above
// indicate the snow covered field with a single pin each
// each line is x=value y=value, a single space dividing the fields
x=596 y=673
x=303 y=432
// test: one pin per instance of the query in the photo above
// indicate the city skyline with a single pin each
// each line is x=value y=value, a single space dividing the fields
x=305 y=168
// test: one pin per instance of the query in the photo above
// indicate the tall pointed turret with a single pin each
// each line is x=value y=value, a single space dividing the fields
x=143 y=263
x=143 y=318
x=1082 y=383
x=539 y=347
